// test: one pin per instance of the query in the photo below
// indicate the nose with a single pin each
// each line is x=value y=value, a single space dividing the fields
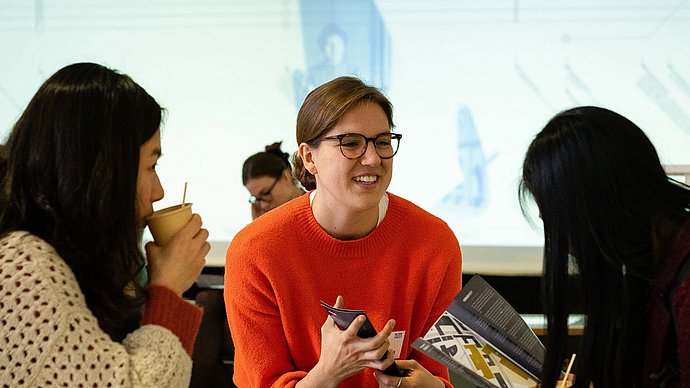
x=265 y=205
x=370 y=157
x=157 y=193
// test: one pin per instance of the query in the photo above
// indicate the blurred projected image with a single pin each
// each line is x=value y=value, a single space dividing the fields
x=341 y=38
x=470 y=195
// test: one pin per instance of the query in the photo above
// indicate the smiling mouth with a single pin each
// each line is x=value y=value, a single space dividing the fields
x=366 y=179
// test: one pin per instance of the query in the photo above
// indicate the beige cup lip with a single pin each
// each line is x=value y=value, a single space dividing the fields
x=169 y=210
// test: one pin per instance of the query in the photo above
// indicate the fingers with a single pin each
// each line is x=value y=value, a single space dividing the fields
x=196 y=235
x=339 y=302
x=190 y=230
x=201 y=239
x=380 y=357
x=372 y=351
x=380 y=341
x=355 y=326
x=415 y=376
x=178 y=264
x=205 y=249
x=388 y=329
x=202 y=234
x=375 y=342
x=151 y=247
x=385 y=380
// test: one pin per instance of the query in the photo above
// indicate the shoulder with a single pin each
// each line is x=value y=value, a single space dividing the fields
x=36 y=270
x=271 y=231
x=268 y=225
x=41 y=281
x=21 y=241
x=421 y=232
x=24 y=252
x=413 y=216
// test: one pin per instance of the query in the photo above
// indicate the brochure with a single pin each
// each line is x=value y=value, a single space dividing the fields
x=482 y=338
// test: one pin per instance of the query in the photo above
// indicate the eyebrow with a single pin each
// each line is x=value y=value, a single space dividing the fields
x=359 y=133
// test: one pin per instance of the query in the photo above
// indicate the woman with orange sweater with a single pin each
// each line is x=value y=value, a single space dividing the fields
x=348 y=241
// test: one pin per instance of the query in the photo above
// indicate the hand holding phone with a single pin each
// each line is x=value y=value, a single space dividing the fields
x=343 y=318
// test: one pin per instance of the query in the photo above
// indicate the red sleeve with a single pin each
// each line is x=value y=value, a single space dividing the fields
x=165 y=308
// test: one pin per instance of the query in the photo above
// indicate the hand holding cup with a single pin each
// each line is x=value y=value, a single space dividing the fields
x=178 y=254
x=165 y=223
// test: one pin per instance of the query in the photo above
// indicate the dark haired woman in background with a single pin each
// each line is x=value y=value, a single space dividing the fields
x=78 y=179
x=268 y=178
x=615 y=221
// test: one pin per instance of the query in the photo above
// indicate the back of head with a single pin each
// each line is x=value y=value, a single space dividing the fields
x=322 y=110
x=600 y=188
x=591 y=170
x=272 y=162
x=70 y=177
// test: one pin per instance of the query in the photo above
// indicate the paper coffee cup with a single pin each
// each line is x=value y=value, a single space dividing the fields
x=165 y=223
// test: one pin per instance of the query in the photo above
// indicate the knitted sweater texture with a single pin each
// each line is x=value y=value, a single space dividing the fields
x=49 y=337
x=280 y=266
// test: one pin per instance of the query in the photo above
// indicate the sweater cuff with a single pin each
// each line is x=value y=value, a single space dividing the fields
x=167 y=309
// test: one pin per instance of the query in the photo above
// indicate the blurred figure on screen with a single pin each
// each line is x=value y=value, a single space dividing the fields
x=334 y=62
x=617 y=225
x=268 y=177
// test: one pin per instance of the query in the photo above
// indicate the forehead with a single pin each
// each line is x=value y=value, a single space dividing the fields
x=152 y=147
x=367 y=118
x=259 y=184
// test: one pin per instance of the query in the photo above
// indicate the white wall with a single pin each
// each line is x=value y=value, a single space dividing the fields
x=471 y=82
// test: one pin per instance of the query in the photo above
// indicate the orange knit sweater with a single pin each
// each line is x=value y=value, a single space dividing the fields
x=280 y=266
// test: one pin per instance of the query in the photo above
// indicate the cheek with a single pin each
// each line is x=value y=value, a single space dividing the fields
x=389 y=169
x=141 y=189
x=144 y=192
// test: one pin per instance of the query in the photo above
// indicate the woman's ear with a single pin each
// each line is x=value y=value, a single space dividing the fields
x=306 y=152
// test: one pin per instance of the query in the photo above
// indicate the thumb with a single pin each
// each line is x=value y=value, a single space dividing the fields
x=339 y=302
x=151 y=249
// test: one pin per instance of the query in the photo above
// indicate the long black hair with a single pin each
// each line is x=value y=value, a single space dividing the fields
x=607 y=206
x=69 y=176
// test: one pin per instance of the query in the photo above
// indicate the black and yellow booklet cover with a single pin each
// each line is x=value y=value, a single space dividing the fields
x=481 y=337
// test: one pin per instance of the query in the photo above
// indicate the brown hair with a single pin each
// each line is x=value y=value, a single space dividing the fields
x=271 y=162
x=322 y=110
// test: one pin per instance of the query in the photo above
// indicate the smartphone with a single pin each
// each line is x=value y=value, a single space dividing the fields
x=344 y=317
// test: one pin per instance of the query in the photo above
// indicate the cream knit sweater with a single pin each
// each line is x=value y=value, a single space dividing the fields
x=49 y=337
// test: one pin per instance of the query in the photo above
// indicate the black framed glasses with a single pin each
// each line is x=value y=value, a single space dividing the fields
x=354 y=145
x=265 y=196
